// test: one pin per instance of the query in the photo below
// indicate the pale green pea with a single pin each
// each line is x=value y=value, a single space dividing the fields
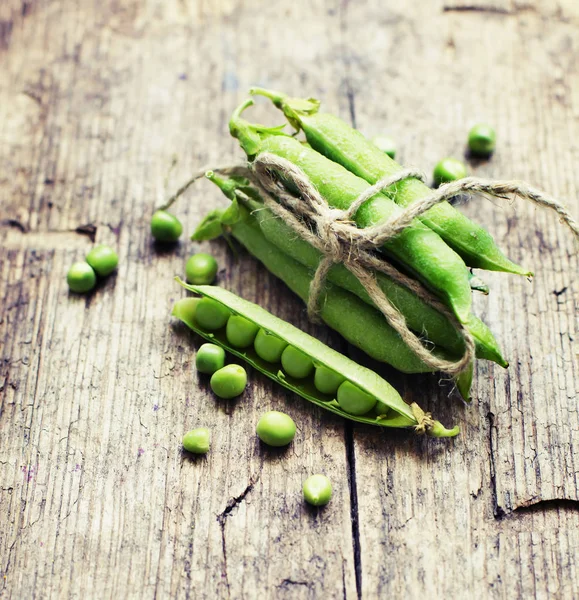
x=381 y=409
x=327 y=381
x=449 y=169
x=197 y=440
x=317 y=490
x=482 y=140
x=268 y=346
x=275 y=428
x=353 y=400
x=228 y=382
x=201 y=269
x=296 y=363
x=165 y=227
x=210 y=358
x=81 y=278
x=211 y=315
x=240 y=331
x=103 y=259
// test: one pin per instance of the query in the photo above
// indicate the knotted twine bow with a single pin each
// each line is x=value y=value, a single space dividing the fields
x=333 y=233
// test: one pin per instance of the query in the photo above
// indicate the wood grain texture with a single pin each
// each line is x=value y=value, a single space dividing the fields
x=96 y=498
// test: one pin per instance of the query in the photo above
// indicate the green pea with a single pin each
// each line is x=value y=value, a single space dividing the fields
x=81 y=278
x=228 y=382
x=449 y=169
x=296 y=363
x=165 y=227
x=201 y=269
x=268 y=346
x=211 y=315
x=482 y=139
x=275 y=428
x=240 y=331
x=353 y=400
x=327 y=381
x=197 y=441
x=381 y=409
x=317 y=490
x=386 y=144
x=210 y=358
x=103 y=259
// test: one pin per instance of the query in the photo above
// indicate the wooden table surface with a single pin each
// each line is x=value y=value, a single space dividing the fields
x=97 y=499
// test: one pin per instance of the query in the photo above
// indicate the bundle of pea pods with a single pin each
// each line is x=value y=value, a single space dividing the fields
x=438 y=249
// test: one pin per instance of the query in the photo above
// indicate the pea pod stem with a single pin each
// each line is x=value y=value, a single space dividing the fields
x=341 y=143
x=398 y=415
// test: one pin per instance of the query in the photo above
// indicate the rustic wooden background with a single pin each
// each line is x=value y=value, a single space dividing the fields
x=96 y=499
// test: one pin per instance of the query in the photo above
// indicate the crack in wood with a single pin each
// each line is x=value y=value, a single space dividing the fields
x=221 y=519
x=497 y=10
x=498 y=511
x=354 y=513
x=289 y=582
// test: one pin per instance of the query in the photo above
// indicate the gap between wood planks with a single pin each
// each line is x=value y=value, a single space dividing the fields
x=511 y=10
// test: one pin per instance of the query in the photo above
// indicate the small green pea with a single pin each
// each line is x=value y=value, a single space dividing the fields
x=165 y=227
x=449 y=169
x=296 y=363
x=81 y=278
x=268 y=346
x=482 y=140
x=210 y=358
x=353 y=400
x=228 y=382
x=211 y=315
x=201 y=269
x=103 y=259
x=275 y=428
x=327 y=381
x=197 y=440
x=381 y=409
x=317 y=490
x=386 y=144
x=240 y=331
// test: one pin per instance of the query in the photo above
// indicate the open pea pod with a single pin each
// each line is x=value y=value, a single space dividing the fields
x=360 y=385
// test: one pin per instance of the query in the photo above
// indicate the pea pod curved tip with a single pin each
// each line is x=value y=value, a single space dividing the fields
x=438 y=430
x=276 y=97
x=304 y=106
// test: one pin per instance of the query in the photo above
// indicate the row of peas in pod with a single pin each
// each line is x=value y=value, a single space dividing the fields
x=229 y=381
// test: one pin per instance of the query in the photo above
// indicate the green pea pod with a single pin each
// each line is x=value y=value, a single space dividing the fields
x=394 y=412
x=417 y=248
x=420 y=317
x=336 y=140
